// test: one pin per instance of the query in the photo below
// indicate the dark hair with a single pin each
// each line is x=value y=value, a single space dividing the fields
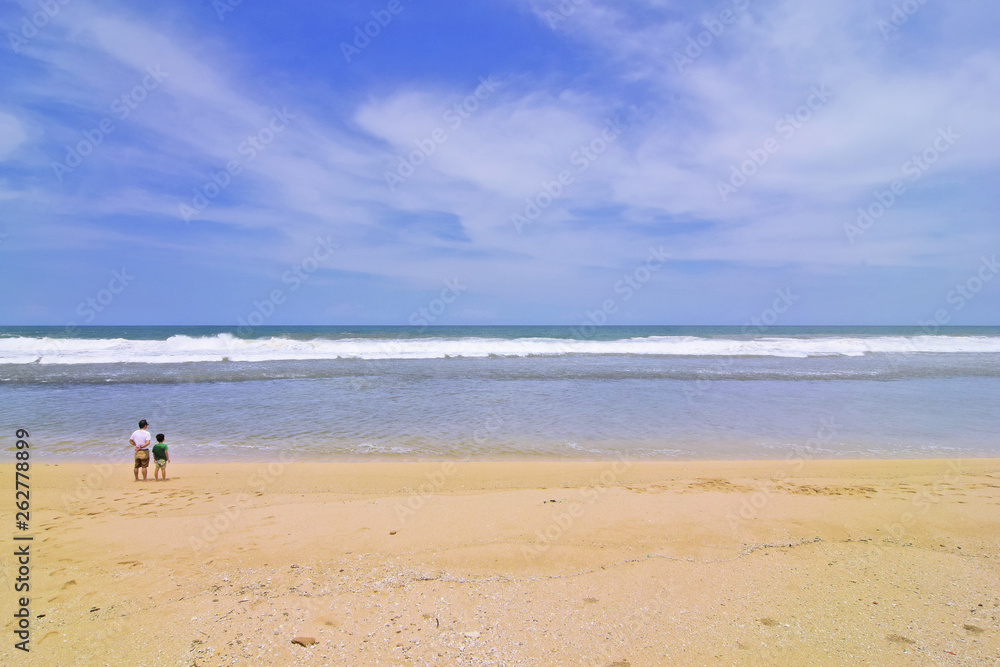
x=159 y=437
x=143 y=423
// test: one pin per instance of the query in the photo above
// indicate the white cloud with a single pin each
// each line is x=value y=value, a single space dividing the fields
x=12 y=134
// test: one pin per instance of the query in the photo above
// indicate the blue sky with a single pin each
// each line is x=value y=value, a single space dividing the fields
x=230 y=159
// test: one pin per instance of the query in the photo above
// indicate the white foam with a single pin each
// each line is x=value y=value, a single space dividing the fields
x=225 y=347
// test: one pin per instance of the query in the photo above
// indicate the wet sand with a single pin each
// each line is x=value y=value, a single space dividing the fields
x=526 y=563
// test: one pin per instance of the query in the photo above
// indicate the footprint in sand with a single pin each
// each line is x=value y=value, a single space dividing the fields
x=71 y=582
x=899 y=639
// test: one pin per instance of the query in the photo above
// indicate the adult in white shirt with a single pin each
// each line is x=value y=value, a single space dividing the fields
x=140 y=440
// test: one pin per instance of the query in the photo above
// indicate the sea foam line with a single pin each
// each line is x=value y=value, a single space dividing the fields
x=225 y=347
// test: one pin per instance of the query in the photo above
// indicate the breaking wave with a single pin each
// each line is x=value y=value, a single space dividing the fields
x=226 y=347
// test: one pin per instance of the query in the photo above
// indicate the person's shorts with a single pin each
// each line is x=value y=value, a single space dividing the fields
x=160 y=463
x=142 y=459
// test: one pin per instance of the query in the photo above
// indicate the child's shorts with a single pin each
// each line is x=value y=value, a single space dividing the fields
x=161 y=463
x=142 y=459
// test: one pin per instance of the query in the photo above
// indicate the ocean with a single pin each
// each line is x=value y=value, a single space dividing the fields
x=503 y=392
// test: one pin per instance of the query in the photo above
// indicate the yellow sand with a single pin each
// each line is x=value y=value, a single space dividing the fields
x=766 y=563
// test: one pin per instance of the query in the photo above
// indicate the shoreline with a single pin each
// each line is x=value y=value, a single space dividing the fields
x=513 y=459
x=530 y=562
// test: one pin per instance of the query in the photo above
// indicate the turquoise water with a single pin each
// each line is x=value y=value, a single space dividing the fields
x=334 y=393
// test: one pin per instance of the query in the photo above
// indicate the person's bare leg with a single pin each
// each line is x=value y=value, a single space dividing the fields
x=137 y=473
x=144 y=474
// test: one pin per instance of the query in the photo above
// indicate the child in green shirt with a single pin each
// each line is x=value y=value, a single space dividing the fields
x=161 y=456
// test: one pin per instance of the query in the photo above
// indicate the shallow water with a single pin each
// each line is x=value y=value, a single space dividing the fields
x=505 y=392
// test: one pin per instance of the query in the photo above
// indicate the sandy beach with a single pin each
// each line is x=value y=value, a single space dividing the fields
x=523 y=563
